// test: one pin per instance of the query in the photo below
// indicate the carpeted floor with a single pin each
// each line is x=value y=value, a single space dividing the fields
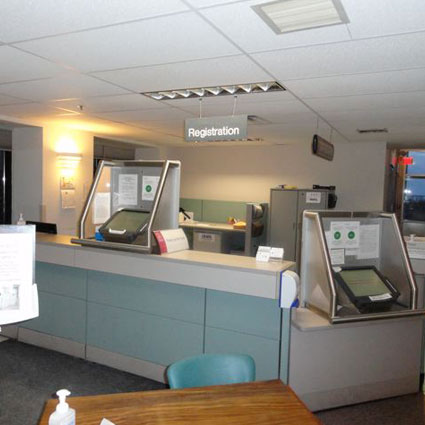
x=30 y=375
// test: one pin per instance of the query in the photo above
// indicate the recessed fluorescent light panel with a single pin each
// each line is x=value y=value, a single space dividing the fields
x=235 y=89
x=297 y=15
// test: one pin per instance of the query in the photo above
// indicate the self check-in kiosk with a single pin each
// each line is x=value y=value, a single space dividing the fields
x=127 y=201
x=357 y=335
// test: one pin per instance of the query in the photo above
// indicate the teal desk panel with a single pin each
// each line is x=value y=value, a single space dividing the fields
x=157 y=298
x=61 y=280
x=60 y=316
x=285 y=341
x=193 y=205
x=219 y=211
x=264 y=351
x=242 y=313
x=152 y=338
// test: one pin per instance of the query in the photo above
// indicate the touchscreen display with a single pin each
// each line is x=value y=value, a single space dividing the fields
x=364 y=282
x=128 y=220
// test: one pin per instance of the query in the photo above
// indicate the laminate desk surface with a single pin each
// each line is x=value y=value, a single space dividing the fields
x=265 y=402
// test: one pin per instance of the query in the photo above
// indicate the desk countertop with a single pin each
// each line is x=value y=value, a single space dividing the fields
x=266 y=402
x=202 y=225
x=231 y=273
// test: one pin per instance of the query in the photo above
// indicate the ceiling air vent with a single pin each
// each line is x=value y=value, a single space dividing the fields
x=255 y=119
x=372 y=130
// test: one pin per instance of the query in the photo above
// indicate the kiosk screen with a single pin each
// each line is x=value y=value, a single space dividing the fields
x=128 y=220
x=364 y=282
x=366 y=288
x=125 y=225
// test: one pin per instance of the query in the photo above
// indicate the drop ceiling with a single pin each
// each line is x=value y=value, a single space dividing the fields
x=58 y=55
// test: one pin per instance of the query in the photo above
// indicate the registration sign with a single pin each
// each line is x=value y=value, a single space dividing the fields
x=210 y=129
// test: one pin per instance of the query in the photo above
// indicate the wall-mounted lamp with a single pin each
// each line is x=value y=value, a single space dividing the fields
x=68 y=162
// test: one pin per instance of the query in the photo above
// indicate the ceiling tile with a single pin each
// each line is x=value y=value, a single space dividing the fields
x=63 y=87
x=145 y=115
x=160 y=40
x=368 y=102
x=360 y=56
x=18 y=66
x=347 y=85
x=382 y=17
x=239 y=22
x=380 y=115
x=208 y=72
x=27 y=110
x=206 y=3
x=124 y=102
x=23 y=19
x=10 y=100
x=274 y=112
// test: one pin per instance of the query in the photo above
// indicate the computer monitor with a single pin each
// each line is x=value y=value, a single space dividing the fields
x=125 y=225
x=44 y=227
x=367 y=288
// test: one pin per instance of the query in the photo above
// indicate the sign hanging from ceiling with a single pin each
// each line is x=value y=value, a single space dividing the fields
x=211 y=129
x=322 y=148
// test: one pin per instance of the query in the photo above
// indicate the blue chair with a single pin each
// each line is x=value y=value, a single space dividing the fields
x=211 y=369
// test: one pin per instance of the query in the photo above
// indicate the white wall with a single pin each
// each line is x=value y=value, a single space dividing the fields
x=248 y=173
x=77 y=142
x=27 y=171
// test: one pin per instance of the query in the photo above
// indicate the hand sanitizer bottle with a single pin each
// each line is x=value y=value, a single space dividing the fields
x=63 y=415
x=21 y=220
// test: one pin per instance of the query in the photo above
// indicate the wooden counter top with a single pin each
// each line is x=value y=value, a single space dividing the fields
x=266 y=402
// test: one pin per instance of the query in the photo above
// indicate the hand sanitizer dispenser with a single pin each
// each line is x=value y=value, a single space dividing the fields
x=63 y=415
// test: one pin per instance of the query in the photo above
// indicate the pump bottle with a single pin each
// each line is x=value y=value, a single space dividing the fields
x=63 y=415
x=21 y=220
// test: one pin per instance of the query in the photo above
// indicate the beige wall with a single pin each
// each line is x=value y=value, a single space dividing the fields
x=56 y=139
x=248 y=173
x=27 y=170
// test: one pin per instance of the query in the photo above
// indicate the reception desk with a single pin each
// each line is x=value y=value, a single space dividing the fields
x=140 y=313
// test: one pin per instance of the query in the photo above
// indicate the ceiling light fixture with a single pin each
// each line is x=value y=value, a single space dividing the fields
x=372 y=130
x=268 y=86
x=284 y=16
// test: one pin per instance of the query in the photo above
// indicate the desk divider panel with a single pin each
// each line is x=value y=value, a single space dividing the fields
x=158 y=322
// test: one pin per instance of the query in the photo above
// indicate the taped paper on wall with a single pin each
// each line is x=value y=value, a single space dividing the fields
x=344 y=234
x=337 y=256
x=127 y=188
x=150 y=184
x=101 y=207
x=369 y=241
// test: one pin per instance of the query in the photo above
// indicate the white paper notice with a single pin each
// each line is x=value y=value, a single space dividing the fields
x=345 y=234
x=150 y=184
x=337 y=256
x=68 y=199
x=369 y=242
x=313 y=197
x=263 y=254
x=16 y=268
x=127 y=188
x=102 y=207
x=416 y=249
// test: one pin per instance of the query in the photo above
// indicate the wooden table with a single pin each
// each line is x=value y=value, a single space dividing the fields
x=266 y=402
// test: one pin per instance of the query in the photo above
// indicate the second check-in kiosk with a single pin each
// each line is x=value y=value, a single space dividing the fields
x=357 y=335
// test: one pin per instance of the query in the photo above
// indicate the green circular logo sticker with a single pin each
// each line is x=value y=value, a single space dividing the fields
x=351 y=235
x=337 y=235
x=148 y=188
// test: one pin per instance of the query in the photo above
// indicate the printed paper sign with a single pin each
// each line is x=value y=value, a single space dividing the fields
x=171 y=240
x=337 y=256
x=369 y=242
x=345 y=234
x=101 y=207
x=127 y=189
x=150 y=184
x=263 y=254
x=313 y=197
